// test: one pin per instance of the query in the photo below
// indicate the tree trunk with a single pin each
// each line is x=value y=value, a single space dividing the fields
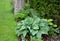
x=27 y=1
x=18 y=5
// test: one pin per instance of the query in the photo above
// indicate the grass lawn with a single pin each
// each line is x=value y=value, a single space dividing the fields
x=7 y=23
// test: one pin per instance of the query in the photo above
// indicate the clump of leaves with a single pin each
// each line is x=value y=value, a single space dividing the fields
x=32 y=25
x=53 y=28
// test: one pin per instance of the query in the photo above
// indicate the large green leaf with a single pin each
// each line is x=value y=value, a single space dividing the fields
x=45 y=28
x=49 y=20
x=24 y=33
x=22 y=27
x=39 y=34
x=28 y=21
x=36 y=19
x=50 y=23
x=18 y=33
x=29 y=27
x=35 y=26
x=42 y=24
x=33 y=32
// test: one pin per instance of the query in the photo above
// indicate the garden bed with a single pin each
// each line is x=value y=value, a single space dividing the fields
x=45 y=38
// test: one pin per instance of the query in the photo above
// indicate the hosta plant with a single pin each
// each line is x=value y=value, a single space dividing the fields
x=34 y=26
x=54 y=30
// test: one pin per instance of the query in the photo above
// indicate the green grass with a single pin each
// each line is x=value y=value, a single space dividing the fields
x=7 y=23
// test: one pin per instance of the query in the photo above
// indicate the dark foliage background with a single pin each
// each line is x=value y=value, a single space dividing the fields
x=47 y=9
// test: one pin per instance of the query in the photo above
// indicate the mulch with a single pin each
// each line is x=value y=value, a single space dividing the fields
x=45 y=38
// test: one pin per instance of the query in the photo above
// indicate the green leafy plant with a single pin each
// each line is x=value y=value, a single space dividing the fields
x=53 y=28
x=34 y=26
x=26 y=12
